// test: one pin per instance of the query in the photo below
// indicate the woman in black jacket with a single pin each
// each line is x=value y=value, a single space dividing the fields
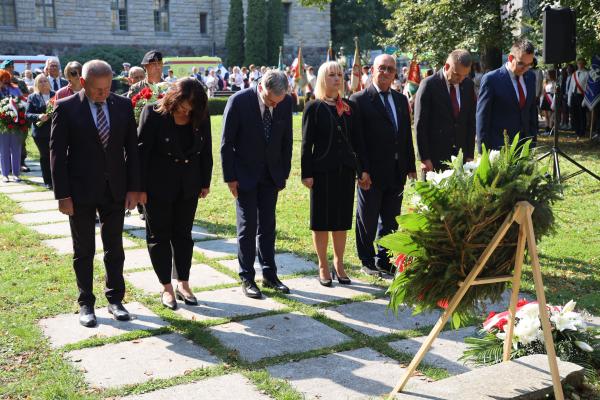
x=176 y=156
x=36 y=113
x=332 y=158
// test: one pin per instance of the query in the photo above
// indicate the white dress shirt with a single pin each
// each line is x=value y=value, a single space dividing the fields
x=262 y=105
x=51 y=79
x=390 y=99
x=582 y=78
x=514 y=83
x=95 y=112
x=456 y=87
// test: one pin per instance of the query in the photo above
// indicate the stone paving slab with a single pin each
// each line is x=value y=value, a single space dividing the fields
x=32 y=196
x=226 y=303
x=226 y=387
x=133 y=222
x=275 y=335
x=201 y=275
x=217 y=248
x=39 y=205
x=445 y=352
x=124 y=363
x=349 y=375
x=308 y=290
x=374 y=319
x=35 y=177
x=56 y=229
x=43 y=217
x=198 y=234
x=134 y=258
x=65 y=329
x=287 y=264
x=524 y=378
x=65 y=245
x=21 y=188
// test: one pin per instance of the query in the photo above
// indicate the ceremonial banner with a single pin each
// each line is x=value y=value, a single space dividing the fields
x=355 y=82
x=592 y=93
x=280 y=62
x=413 y=79
x=330 y=55
x=298 y=69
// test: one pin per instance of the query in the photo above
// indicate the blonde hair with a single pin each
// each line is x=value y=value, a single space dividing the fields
x=36 y=82
x=324 y=70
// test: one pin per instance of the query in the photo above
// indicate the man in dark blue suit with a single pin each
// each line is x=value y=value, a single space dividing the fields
x=507 y=100
x=256 y=153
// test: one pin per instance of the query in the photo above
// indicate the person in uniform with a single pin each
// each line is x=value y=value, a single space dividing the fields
x=176 y=167
x=153 y=64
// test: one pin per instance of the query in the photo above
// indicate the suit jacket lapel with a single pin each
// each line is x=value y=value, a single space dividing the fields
x=112 y=110
x=445 y=93
x=378 y=102
x=256 y=107
x=510 y=87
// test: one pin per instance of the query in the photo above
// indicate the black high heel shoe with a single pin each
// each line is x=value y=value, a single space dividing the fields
x=188 y=300
x=325 y=282
x=342 y=281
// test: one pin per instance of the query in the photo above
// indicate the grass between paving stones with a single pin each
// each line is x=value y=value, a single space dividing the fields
x=35 y=283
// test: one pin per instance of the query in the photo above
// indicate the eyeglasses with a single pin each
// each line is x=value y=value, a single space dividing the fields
x=383 y=68
x=521 y=64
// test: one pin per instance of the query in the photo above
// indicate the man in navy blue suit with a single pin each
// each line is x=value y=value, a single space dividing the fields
x=256 y=153
x=507 y=100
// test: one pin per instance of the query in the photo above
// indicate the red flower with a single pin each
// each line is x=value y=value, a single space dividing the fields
x=490 y=315
x=11 y=126
x=161 y=95
x=500 y=324
x=442 y=303
x=146 y=93
x=22 y=122
x=133 y=102
x=402 y=262
x=21 y=114
x=522 y=302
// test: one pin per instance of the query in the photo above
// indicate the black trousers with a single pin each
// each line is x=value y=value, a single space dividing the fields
x=169 y=237
x=43 y=145
x=578 y=114
x=255 y=217
x=376 y=214
x=83 y=224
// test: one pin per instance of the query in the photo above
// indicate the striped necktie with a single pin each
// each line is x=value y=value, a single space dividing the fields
x=102 y=125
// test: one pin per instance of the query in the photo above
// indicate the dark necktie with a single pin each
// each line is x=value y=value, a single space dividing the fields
x=390 y=112
x=102 y=125
x=454 y=101
x=55 y=84
x=521 y=93
x=267 y=122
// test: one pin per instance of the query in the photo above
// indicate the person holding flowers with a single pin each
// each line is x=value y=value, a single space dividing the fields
x=40 y=105
x=12 y=118
x=332 y=157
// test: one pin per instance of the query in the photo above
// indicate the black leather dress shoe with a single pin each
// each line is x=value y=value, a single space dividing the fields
x=251 y=290
x=369 y=270
x=87 y=317
x=188 y=300
x=119 y=312
x=275 y=284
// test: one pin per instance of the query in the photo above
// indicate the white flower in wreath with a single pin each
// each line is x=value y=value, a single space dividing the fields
x=436 y=178
x=566 y=318
x=494 y=155
x=529 y=311
x=527 y=330
x=584 y=346
x=470 y=166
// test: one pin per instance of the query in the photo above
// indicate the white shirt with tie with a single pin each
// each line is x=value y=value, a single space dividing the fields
x=514 y=83
x=262 y=105
x=53 y=81
x=95 y=111
x=456 y=87
x=390 y=99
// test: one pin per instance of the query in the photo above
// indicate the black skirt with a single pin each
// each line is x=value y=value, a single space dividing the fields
x=332 y=200
x=546 y=106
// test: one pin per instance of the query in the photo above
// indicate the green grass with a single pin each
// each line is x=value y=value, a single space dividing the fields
x=35 y=283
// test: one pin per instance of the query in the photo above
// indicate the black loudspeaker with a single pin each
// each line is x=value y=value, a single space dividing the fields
x=559 y=35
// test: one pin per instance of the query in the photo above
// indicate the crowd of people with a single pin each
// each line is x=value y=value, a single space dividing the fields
x=100 y=162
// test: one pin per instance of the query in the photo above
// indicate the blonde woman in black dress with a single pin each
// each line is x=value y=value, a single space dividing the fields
x=332 y=159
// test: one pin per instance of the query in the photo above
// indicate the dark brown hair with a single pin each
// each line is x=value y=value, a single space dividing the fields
x=186 y=89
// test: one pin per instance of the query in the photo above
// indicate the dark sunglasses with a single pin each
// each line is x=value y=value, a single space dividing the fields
x=73 y=73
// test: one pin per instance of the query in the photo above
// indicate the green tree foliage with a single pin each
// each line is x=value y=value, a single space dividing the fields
x=114 y=55
x=234 y=40
x=365 y=19
x=274 y=30
x=256 y=33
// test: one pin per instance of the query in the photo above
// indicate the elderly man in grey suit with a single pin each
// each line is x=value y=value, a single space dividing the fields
x=256 y=153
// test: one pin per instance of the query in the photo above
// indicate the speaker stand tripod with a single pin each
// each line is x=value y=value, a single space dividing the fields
x=555 y=152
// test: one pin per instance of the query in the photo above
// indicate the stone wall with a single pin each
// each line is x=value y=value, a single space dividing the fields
x=85 y=23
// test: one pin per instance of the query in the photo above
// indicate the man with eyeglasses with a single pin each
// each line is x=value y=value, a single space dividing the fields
x=507 y=100
x=384 y=118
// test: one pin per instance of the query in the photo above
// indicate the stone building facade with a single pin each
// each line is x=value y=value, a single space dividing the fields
x=177 y=27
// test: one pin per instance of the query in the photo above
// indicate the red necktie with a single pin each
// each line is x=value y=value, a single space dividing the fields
x=521 y=93
x=454 y=101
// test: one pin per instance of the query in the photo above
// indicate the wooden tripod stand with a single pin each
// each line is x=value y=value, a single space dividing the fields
x=521 y=214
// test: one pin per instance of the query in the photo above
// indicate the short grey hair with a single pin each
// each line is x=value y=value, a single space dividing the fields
x=522 y=46
x=275 y=81
x=134 y=70
x=96 y=68
x=461 y=57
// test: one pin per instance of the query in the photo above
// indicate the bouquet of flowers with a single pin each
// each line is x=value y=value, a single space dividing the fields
x=49 y=111
x=455 y=215
x=12 y=115
x=573 y=341
x=148 y=95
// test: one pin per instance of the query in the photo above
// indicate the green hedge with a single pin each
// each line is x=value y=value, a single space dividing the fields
x=216 y=105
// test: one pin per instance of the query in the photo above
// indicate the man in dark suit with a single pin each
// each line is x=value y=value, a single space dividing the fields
x=52 y=71
x=445 y=113
x=256 y=152
x=95 y=167
x=384 y=118
x=507 y=100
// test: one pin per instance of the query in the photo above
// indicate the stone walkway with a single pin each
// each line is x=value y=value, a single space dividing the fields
x=325 y=343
